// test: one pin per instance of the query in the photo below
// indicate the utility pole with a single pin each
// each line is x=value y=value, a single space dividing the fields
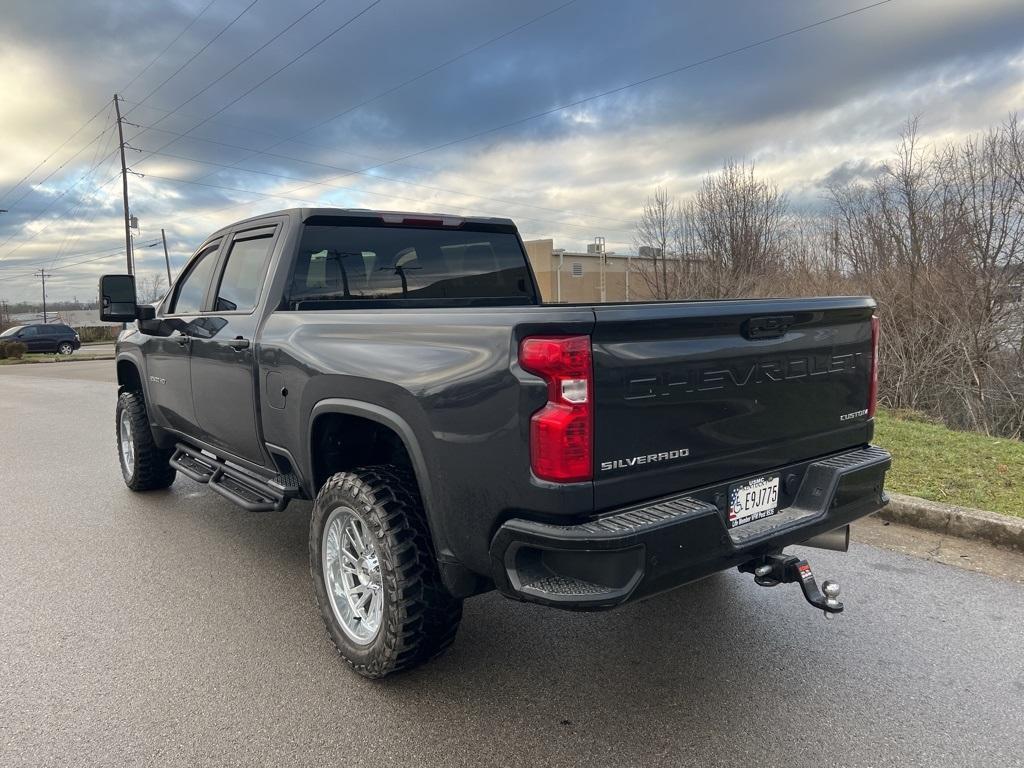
x=629 y=268
x=599 y=242
x=167 y=259
x=124 y=191
x=42 y=274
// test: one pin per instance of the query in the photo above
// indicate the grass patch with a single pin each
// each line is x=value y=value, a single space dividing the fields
x=38 y=357
x=940 y=464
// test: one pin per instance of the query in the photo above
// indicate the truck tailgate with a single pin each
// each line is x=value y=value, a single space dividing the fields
x=689 y=394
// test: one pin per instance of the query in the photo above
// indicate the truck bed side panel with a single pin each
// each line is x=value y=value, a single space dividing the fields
x=450 y=374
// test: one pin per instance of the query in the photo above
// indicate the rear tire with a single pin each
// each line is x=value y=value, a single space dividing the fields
x=385 y=561
x=144 y=466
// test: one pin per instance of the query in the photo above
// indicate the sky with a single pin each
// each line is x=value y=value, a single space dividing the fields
x=237 y=107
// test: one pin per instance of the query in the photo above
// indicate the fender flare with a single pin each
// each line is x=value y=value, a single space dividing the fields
x=405 y=433
x=128 y=357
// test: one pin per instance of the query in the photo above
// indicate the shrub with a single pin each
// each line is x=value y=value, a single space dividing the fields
x=14 y=350
x=98 y=332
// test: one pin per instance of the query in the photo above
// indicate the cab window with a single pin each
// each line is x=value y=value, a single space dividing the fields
x=246 y=267
x=189 y=294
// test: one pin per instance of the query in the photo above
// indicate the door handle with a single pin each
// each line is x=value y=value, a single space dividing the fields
x=238 y=343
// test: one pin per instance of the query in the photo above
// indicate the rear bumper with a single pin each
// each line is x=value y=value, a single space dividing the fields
x=648 y=548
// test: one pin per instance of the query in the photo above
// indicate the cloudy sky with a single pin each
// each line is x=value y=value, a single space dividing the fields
x=232 y=104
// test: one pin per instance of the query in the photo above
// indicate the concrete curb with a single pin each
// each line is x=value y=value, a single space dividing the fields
x=1001 y=530
x=84 y=359
x=61 y=360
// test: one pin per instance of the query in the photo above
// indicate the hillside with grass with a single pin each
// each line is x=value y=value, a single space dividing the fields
x=963 y=468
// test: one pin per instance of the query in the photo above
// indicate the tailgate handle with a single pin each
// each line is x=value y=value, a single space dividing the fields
x=767 y=327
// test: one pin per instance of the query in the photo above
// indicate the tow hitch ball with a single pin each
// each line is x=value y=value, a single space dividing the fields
x=771 y=570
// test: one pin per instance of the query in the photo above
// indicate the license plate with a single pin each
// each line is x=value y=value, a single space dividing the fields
x=753 y=500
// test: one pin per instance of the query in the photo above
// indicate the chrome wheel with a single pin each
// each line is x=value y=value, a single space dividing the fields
x=65 y=349
x=351 y=569
x=127 y=443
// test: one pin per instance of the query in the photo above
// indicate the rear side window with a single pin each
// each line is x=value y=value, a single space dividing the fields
x=340 y=265
x=188 y=298
x=243 y=274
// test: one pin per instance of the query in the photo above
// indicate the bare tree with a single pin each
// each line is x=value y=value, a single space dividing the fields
x=937 y=237
x=739 y=221
x=151 y=288
x=656 y=239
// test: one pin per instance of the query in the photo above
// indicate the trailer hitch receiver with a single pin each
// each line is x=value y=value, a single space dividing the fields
x=771 y=570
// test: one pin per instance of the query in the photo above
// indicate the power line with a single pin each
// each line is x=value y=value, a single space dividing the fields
x=361 y=190
x=97 y=114
x=42 y=229
x=286 y=195
x=374 y=176
x=420 y=76
x=634 y=84
x=24 y=265
x=169 y=45
x=198 y=53
x=46 y=159
x=52 y=173
x=118 y=253
x=213 y=82
x=279 y=70
x=289 y=194
x=79 y=221
x=279 y=156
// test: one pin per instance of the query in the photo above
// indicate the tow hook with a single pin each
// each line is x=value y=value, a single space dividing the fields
x=771 y=570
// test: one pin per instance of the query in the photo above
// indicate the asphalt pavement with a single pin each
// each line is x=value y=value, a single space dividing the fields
x=171 y=628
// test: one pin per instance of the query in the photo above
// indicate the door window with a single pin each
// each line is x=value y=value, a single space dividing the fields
x=188 y=298
x=243 y=274
x=29 y=331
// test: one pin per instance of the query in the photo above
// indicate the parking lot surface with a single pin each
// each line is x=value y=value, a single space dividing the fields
x=171 y=628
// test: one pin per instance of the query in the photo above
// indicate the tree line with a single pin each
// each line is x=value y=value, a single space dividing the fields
x=935 y=233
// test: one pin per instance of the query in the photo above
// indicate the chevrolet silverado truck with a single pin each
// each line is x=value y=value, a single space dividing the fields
x=456 y=435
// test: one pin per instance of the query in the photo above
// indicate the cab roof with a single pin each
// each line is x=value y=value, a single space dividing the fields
x=389 y=217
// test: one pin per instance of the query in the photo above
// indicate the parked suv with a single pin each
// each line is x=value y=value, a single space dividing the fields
x=51 y=337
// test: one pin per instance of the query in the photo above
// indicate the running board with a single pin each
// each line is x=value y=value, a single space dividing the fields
x=248 y=491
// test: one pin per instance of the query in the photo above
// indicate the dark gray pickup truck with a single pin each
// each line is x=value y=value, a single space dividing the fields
x=457 y=435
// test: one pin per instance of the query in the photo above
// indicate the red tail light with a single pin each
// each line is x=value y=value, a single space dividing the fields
x=561 y=433
x=873 y=386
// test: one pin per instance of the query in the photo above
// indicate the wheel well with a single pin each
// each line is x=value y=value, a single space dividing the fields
x=128 y=376
x=342 y=441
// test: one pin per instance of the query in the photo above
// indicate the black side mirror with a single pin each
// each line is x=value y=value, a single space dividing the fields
x=117 y=299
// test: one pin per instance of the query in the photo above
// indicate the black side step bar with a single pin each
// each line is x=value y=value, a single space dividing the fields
x=248 y=491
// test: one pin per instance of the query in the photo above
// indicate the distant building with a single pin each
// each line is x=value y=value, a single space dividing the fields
x=575 y=277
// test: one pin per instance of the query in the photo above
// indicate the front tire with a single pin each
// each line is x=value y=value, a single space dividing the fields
x=375 y=575
x=144 y=466
x=65 y=348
